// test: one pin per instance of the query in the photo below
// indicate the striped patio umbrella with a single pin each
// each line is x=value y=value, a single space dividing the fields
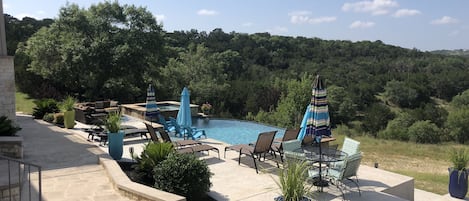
x=152 y=110
x=318 y=123
x=184 y=117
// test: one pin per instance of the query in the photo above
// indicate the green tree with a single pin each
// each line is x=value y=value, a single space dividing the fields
x=107 y=51
x=461 y=100
x=200 y=70
x=341 y=107
x=376 y=118
x=397 y=128
x=400 y=93
x=424 y=132
x=293 y=103
x=458 y=124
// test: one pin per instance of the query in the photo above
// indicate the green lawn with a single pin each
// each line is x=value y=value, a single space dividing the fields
x=426 y=163
x=24 y=103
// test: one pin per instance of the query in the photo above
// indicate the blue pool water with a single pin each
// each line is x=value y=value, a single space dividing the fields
x=234 y=131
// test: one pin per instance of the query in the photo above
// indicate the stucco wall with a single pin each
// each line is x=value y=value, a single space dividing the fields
x=7 y=87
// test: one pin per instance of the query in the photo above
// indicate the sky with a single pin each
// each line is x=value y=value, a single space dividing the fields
x=422 y=24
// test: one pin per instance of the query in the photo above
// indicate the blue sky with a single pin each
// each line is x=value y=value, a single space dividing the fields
x=422 y=24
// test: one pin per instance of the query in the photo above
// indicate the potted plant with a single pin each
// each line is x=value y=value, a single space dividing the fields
x=206 y=108
x=115 y=135
x=458 y=174
x=292 y=182
x=67 y=107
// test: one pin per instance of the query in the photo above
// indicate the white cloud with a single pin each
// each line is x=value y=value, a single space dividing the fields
x=444 y=20
x=41 y=12
x=302 y=17
x=406 y=12
x=375 y=7
x=278 y=30
x=206 y=12
x=360 y=24
x=160 y=18
x=247 y=24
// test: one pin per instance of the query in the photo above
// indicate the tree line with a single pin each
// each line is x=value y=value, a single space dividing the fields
x=112 y=51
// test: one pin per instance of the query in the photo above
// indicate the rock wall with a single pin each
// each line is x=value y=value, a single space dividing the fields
x=7 y=88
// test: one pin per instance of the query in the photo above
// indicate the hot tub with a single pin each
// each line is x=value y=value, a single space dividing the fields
x=167 y=109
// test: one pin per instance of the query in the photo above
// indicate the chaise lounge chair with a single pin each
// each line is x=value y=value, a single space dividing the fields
x=177 y=143
x=181 y=146
x=262 y=147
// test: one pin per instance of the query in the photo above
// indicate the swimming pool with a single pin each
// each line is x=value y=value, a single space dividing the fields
x=234 y=131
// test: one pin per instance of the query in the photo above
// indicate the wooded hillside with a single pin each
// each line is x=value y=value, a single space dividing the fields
x=92 y=54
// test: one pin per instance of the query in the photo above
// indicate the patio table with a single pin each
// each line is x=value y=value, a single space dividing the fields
x=328 y=155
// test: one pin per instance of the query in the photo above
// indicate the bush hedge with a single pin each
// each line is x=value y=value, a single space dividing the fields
x=183 y=174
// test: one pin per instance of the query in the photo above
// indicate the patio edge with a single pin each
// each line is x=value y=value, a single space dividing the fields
x=132 y=189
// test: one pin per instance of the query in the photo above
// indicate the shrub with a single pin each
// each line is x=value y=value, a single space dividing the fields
x=458 y=124
x=424 y=132
x=48 y=117
x=151 y=156
x=183 y=174
x=43 y=107
x=7 y=128
x=397 y=129
x=59 y=118
x=68 y=103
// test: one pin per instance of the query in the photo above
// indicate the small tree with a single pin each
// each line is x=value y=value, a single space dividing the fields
x=458 y=124
x=376 y=118
x=424 y=132
x=398 y=127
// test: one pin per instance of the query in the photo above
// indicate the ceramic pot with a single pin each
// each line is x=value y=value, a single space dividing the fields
x=457 y=183
x=116 y=144
x=69 y=119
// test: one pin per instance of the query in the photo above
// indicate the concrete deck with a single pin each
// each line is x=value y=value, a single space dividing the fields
x=71 y=171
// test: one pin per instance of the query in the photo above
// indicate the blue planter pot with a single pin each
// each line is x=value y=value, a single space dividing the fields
x=457 y=183
x=116 y=144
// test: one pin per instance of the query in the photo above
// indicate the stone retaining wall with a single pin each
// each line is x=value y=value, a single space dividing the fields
x=5 y=193
x=11 y=146
x=7 y=88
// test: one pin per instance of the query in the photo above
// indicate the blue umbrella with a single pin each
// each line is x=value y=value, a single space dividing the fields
x=184 y=118
x=306 y=116
x=152 y=110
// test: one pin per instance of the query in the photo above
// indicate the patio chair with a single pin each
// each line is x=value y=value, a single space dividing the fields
x=193 y=133
x=178 y=143
x=290 y=134
x=166 y=124
x=345 y=173
x=292 y=150
x=262 y=147
x=350 y=147
x=152 y=133
x=187 y=132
